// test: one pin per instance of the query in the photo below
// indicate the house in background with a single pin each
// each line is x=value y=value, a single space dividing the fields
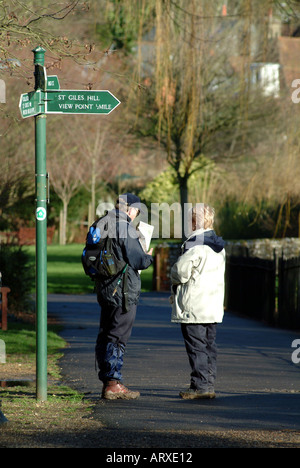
x=283 y=58
x=289 y=58
x=267 y=77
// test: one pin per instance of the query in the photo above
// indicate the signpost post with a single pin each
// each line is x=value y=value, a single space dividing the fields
x=47 y=98
x=41 y=233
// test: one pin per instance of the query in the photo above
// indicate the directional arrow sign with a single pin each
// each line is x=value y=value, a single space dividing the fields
x=30 y=104
x=52 y=83
x=80 y=102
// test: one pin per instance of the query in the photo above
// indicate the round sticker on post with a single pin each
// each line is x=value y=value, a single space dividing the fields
x=40 y=214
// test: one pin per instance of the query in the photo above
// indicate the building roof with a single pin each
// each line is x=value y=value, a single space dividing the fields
x=289 y=57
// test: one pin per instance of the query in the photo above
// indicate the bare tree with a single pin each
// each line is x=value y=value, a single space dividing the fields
x=30 y=22
x=204 y=105
x=194 y=96
x=16 y=180
x=66 y=170
x=93 y=139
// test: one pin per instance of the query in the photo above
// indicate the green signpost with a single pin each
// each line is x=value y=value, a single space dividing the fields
x=47 y=98
x=41 y=226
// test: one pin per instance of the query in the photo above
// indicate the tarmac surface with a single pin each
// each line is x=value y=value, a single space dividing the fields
x=258 y=384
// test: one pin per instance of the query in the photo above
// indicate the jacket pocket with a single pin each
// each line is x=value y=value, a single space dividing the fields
x=183 y=298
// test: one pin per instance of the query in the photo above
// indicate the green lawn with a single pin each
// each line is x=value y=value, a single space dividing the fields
x=20 y=338
x=65 y=272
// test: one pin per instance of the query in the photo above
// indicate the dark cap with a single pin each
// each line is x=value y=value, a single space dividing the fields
x=131 y=200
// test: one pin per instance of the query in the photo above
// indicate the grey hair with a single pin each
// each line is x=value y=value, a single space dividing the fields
x=202 y=215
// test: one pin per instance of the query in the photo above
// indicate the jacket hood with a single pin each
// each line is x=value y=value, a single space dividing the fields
x=204 y=237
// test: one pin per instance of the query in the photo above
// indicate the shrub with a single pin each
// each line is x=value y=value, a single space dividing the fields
x=18 y=274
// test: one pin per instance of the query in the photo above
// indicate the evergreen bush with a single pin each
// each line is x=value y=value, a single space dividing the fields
x=18 y=274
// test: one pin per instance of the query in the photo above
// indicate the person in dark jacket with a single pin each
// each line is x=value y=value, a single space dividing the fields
x=118 y=297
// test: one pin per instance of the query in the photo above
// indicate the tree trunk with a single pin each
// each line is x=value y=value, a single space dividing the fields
x=183 y=188
x=63 y=223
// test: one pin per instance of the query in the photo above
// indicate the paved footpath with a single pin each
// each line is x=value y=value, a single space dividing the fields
x=258 y=385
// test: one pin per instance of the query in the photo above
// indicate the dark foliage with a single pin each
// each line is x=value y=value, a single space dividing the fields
x=18 y=274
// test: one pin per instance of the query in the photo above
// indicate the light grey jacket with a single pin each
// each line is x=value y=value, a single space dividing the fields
x=198 y=278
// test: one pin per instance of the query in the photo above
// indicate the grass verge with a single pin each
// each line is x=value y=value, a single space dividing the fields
x=65 y=419
x=28 y=418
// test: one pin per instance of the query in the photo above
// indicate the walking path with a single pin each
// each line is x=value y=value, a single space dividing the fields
x=258 y=385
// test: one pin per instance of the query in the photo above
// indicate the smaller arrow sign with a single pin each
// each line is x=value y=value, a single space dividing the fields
x=30 y=104
x=80 y=102
x=52 y=83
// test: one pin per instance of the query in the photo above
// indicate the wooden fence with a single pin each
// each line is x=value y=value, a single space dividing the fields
x=3 y=306
x=25 y=236
x=289 y=293
x=250 y=287
x=268 y=290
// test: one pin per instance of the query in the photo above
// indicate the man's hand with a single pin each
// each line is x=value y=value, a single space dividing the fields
x=150 y=251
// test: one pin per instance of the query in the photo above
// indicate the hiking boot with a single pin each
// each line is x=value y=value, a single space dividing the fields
x=114 y=390
x=194 y=393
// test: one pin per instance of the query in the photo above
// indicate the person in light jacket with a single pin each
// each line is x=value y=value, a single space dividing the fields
x=198 y=299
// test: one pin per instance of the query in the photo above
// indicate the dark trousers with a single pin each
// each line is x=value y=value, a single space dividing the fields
x=200 y=344
x=115 y=330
